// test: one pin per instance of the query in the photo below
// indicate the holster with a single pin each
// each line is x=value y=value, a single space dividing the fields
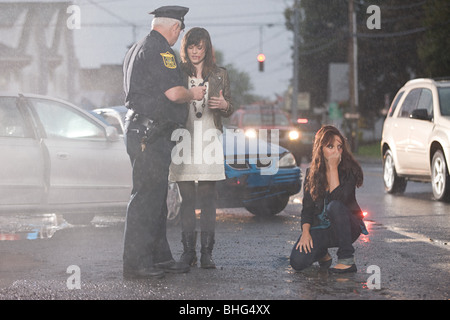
x=153 y=129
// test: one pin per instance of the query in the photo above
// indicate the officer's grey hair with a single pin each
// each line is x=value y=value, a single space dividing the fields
x=163 y=21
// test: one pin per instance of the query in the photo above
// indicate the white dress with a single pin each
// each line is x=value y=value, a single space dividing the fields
x=199 y=154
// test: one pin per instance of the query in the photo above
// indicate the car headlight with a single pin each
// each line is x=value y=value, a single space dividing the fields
x=294 y=135
x=250 y=133
x=287 y=160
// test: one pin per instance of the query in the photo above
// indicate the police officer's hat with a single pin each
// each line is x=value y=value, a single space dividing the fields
x=174 y=12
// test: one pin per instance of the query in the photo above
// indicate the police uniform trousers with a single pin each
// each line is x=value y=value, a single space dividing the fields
x=145 y=240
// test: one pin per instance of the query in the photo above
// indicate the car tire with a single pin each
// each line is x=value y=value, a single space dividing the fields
x=270 y=206
x=440 y=181
x=392 y=182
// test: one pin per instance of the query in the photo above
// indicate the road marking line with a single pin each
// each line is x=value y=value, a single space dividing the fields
x=421 y=238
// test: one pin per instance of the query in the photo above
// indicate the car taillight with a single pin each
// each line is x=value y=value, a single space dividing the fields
x=302 y=120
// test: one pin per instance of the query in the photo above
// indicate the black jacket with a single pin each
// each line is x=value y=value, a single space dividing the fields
x=345 y=193
x=150 y=69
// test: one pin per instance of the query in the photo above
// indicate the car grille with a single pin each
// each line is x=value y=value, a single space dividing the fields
x=239 y=166
x=244 y=166
x=286 y=177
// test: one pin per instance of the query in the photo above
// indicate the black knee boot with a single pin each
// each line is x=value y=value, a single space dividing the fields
x=189 y=240
x=207 y=242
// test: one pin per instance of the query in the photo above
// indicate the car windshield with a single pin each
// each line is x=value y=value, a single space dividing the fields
x=258 y=119
x=444 y=100
x=60 y=121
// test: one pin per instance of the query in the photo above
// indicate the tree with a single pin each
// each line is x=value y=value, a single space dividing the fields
x=387 y=57
x=435 y=46
x=323 y=40
x=240 y=83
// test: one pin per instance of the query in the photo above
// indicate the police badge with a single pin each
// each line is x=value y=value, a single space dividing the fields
x=169 y=60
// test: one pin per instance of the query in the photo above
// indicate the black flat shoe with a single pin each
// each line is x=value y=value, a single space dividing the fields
x=350 y=269
x=325 y=264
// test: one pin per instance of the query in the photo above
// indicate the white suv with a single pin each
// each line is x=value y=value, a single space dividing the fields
x=416 y=137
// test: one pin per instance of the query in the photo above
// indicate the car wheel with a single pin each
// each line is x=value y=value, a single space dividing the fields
x=439 y=177
x=270 y=206
x=392 y=182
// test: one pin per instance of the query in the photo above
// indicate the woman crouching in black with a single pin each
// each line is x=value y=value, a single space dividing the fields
x=331 y=216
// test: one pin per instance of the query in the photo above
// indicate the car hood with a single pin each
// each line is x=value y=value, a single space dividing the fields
x=241 y=145
x=269 y=127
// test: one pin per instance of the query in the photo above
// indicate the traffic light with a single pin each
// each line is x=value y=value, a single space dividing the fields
x=261 y=58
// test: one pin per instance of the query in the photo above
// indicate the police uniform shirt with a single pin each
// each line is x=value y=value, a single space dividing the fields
x=154 y=71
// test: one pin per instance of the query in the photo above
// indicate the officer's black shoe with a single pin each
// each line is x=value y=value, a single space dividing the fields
x=142 y=273
x=172 y=266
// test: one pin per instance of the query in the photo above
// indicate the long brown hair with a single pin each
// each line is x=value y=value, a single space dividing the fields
x=195 y=36
x=317 y=180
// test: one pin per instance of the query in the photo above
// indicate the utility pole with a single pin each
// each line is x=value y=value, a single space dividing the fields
x=295 y=82
x=353 y=116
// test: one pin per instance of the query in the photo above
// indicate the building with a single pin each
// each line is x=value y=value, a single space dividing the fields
x=100 y=87
x=37 y=52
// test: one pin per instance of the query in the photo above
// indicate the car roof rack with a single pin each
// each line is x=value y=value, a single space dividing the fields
x=447 y=78
x=426 y=80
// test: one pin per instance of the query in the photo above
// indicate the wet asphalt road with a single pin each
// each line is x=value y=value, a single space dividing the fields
x=406 y=254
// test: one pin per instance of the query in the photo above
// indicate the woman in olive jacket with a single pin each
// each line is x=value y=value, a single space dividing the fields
x=205 y=117
x=331 y=216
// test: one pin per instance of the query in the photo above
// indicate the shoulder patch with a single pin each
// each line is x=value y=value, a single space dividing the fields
x=169 y=60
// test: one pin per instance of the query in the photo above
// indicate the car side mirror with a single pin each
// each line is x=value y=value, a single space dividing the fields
x=112 y=134
x=420 y=114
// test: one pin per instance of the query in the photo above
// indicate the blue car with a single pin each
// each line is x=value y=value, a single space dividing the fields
x=262 y=182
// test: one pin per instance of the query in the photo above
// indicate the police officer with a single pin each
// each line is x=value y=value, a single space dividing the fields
x=156 y=99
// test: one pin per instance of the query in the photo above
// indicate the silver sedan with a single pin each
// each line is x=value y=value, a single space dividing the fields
x=55 y=156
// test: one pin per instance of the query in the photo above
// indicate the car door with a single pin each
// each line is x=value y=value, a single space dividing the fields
x=21 y=159
x=85 y=167
x=400 y=130
x=419 y=135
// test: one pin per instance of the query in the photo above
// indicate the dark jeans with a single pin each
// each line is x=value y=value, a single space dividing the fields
x=206 y=195
x=145 y=240
x=344 y=230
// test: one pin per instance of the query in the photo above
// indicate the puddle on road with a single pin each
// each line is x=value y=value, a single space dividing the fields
x=30 y=227
x=44 y=226
x=320 y=284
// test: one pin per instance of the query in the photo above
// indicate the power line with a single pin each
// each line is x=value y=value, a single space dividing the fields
x=111 y=13
x=387 y=7
x=131 y=24
x=321 y=48
x=391 y=35
x=256 y=45
x=234 y=16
